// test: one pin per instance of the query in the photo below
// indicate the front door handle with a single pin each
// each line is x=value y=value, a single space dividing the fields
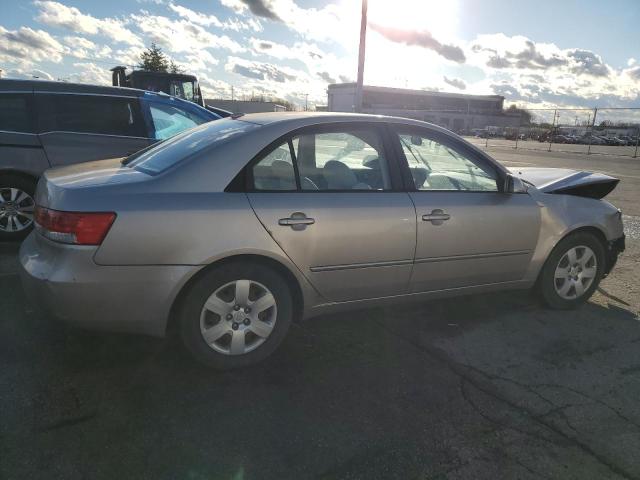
x=436 y=217
x=297 y=221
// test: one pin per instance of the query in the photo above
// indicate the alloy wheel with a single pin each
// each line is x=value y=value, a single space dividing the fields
x=575 y=272
x=16 y=210
x=238 y=317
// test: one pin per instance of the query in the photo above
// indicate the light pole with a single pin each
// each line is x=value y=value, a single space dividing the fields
x=361 y=51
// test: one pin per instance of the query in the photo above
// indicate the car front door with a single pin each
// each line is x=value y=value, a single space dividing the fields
x=469 y=232
x=331 y=198
x=76 y=128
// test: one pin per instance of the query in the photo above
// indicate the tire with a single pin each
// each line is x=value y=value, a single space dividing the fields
x=218 y=289
x=559 y=281
x=14 y=224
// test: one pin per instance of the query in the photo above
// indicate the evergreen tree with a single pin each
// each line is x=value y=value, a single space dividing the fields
x=175 y=68
x=154 y=60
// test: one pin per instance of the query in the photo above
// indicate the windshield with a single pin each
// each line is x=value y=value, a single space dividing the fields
x=170 y=152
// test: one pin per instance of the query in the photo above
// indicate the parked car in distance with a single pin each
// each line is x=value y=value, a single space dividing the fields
x=47 y=124
x=228 y=232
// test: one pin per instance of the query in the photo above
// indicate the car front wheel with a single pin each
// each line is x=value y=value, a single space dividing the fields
x=572 y=271
x=236 y=315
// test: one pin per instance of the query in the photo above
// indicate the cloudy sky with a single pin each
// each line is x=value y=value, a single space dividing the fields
x=542 y=53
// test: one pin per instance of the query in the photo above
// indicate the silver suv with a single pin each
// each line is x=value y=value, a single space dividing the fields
x=48 y=124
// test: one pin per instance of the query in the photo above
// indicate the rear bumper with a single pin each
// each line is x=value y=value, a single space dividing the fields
x=614 y=249
x=64 y=282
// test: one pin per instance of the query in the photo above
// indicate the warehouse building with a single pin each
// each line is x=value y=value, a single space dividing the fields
x=455 y=111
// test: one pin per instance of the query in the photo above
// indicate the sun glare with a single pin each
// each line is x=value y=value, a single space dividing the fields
x=440 y=18
x=397 y=64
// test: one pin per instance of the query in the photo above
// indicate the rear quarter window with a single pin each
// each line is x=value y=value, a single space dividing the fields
x=170 y=152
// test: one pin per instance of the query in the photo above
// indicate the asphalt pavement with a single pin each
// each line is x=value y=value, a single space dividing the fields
x=482 y=387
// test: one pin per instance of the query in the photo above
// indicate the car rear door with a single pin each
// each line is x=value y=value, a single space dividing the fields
x=469 y=232
x=77 y=128
x=331 y=197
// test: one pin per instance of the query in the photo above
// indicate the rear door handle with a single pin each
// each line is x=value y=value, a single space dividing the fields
x=297 y=221
x=436 y=217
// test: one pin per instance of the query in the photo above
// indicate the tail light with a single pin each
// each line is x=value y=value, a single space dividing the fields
x=77 y=228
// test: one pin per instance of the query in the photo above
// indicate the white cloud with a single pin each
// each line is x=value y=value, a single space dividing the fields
x=199 y=61
x=27 y=74
x=205 y=20
x=59 y=15
x=26 y=45
x=331 y=23
x=261 y=70
x=182 y=35
x=195 y=17
x=544 y=74
x=128 y=56
x=81 y=47
x=213 y=87
x=88 y=72
x=631 y=62
x=235 y=5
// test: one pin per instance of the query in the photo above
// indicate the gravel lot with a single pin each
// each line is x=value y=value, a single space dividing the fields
x=487 y=387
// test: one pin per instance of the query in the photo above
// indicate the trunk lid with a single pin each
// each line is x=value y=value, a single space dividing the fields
x=567 y=181
x=83 y=185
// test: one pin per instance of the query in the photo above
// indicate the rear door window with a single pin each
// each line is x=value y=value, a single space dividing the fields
x=97 y=114
x=331 y=158
x=15 y=113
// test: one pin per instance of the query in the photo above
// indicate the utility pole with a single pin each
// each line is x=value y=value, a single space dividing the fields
x=306 y=102
x=593 y=124
x=361 y=52
x=232 y=93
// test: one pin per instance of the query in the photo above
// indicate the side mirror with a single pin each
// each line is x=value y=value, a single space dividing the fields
x=514 y=185
x=416 y=140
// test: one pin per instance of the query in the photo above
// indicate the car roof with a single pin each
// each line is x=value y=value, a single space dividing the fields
x=54 y=86
x=293 y=119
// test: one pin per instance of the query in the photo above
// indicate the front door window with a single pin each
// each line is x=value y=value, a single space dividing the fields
x=436 y=166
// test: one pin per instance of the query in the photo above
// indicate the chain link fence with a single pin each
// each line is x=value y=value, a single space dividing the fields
x=606 y=131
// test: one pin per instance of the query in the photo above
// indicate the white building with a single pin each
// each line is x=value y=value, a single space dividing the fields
x=455 y=111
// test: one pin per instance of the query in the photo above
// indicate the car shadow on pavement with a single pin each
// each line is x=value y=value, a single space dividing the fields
x=417 y=390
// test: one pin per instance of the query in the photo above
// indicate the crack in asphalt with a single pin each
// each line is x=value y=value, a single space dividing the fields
x=594 y=400
x=503 y=425
x=463 y=371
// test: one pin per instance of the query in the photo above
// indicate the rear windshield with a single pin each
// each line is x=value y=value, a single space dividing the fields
x=169 y=152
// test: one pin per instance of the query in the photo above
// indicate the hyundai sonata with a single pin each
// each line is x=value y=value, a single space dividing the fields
x=230 y=231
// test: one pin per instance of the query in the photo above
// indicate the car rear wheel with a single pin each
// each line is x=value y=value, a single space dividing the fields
x=236 y=315
x=16 y=206
x=572 y=271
